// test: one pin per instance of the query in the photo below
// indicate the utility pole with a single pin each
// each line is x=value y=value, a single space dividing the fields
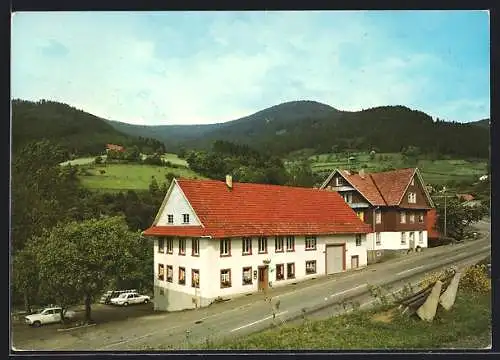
x=445 y=207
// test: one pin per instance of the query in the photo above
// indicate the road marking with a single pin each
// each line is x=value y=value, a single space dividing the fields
x=258 y=321
x=348 y=290
x=408 y=270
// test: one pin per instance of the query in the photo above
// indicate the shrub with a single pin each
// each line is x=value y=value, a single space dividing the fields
x=475 y=280
x=431 y=278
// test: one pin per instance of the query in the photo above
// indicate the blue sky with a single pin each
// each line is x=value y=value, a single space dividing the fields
x=206 y=67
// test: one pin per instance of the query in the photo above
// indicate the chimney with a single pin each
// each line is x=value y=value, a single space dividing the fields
x=362 y=173
x=229 y=181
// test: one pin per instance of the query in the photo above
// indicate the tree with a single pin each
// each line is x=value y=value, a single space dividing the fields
x=458 y=217
x=301 y=175
x=76 y=260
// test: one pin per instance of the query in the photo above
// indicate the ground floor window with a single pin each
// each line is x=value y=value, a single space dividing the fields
x=420 y=237
x=195 y=278
x=162 y=292
x=403 y=238
x=354 y=261
x=280 y=272
x=378 y=241
x=358 y=239
x=161 y=273
x=170 y=273
x=290 y=271
x=311 y=267
x=182 y=276
x=247 y=275
x=225 y=278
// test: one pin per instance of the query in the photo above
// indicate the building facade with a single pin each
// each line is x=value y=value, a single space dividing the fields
x=394 y=203
x=217 y=239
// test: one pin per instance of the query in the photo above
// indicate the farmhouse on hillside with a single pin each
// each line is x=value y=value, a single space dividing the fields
x=395 y=203
x=113 y=147
x=216 y=239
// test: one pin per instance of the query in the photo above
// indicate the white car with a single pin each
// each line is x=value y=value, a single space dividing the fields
x=47 y=316
x=130 y=298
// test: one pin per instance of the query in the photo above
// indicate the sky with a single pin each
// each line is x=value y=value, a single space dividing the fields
x=162 y=68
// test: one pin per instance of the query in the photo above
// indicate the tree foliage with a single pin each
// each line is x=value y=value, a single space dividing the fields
x=76 y=260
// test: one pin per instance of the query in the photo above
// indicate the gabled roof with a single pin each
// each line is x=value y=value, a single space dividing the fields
x=256 y=209
x=383 y=188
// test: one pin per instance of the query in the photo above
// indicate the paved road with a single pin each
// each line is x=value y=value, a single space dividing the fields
x=248 y=314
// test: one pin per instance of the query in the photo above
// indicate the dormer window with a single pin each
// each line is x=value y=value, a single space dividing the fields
x=170 y=218
x=185 y=218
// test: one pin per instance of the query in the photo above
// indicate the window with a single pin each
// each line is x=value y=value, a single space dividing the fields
x=170 y=245
x=412 y=218
x=161 y=245
x=170 y=273
x=290 y=271
x=246 y=246
x=402 y=217
x=185 y=218
x=421 y=218
x=339 y=181
x=361 y=215
x=290 y=243
x=225 y=247
x=347 y=197
x=225 y=278
x=420 y=237
x=280 y=272
x=161 y=273
x=162 y=292
x=247 y=276
x=182 y=246
x=170 y=218
x=279 y=243
x=412 y=237
x=378 y=217
x=358 y=239
x=403 y=238
x=262 y=245
x=182 y=276
x=195 y=278
x=311 y=267
x=310 y=242
x=377 y=239
x=412 y=198
x=195 y=247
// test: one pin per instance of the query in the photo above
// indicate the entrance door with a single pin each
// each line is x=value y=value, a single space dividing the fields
x=335 y=259
x=412 y=240
x=354 y=261
x=263 y=279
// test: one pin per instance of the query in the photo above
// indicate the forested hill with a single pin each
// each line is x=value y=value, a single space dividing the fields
x=307 y=124
x=79 y=132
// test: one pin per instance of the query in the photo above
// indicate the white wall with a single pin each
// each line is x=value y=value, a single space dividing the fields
x=391 y=240
x=177 y=205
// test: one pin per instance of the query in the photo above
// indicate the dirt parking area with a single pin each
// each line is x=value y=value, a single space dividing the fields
x=22 y=333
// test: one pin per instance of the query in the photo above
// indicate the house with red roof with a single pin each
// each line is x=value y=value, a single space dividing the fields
x=114 y=147
x=395 y=203
x=216 y=239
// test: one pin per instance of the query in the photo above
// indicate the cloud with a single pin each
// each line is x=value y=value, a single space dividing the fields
x=217 y=66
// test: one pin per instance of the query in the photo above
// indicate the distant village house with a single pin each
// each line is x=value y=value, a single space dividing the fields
x=114 y=147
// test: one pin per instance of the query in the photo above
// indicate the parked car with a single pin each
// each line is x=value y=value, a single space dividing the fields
x=106 y=298
x=126 y=299
x=47 y=316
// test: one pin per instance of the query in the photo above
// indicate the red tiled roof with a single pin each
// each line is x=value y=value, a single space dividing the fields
x=392 y=184
x=432 y=232
x=465 y=197
x=115 y=147
x=256 y=209
x=365 y=186
x=383 y=188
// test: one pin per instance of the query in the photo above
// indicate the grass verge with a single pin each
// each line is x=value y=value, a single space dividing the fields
x=466 y=325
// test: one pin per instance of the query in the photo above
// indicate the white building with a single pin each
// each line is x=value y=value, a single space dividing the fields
x=216 y=239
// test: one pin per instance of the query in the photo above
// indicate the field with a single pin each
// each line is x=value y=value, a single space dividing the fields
x=130 y=176
x=174 y=159
x=433 y=171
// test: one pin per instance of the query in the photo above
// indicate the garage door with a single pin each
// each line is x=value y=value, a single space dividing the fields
x=334 y=259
